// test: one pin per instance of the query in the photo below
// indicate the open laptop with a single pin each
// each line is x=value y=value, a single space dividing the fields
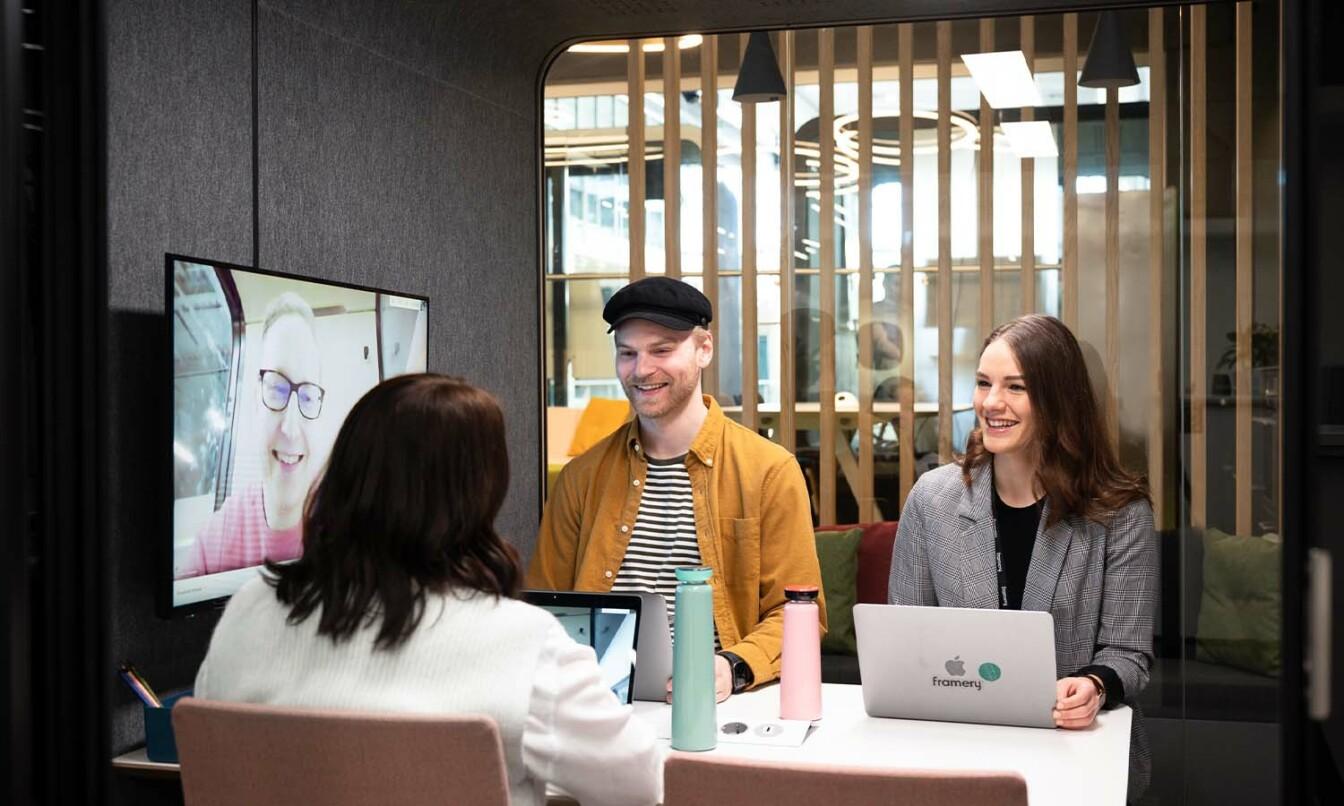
x=628 y=632
x=957 y=664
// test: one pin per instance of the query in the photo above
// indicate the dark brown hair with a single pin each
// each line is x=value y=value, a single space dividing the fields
x=406 y=506
x=1078 y=467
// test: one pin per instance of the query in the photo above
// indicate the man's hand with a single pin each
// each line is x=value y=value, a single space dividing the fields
x=1077 y=702
x=723 y=680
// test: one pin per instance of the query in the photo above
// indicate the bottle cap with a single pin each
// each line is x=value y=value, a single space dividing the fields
x=699 y=573
x=801 y=593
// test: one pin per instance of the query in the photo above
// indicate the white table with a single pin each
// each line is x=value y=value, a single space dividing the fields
x=1060 y=766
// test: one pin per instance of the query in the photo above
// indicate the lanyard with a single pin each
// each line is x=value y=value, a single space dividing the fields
x=998 y=564
x=999 y=568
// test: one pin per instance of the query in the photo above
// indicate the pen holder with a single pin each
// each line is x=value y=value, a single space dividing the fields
x=160 y=745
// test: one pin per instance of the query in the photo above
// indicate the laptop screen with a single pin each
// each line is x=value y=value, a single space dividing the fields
x=609 y=623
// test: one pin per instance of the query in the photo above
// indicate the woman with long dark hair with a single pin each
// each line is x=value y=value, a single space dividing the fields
x=1041 y=494
x=403 y=601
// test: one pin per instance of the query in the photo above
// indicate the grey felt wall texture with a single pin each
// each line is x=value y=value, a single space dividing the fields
x=393 y=150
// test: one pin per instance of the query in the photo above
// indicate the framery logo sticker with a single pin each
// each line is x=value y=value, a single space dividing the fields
x=956 y=670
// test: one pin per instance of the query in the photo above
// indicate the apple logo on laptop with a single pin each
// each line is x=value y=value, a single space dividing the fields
x=956 y=667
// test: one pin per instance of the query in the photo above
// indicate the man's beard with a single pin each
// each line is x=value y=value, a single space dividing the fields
x=676 y=395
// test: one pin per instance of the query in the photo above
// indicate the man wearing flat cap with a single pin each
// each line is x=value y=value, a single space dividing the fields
x=682 y=485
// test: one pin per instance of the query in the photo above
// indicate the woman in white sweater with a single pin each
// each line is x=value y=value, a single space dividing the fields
x=403 y=601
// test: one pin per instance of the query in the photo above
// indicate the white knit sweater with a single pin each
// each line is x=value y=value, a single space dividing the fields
x=474 y=654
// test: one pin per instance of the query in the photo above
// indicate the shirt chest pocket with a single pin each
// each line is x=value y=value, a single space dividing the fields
x=740 y=544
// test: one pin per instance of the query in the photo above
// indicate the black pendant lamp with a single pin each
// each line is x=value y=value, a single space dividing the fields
x=759 y=80
x=1109 y=63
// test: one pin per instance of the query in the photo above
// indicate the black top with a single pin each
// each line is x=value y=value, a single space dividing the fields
x=1016 y=527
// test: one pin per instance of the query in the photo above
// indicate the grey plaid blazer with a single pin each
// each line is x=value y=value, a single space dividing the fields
x=1099 y=582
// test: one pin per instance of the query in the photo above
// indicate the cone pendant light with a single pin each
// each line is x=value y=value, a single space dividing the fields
x=1109 y=63
x=759 y=80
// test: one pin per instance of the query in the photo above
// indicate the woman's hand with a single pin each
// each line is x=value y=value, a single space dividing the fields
x=1076 y=702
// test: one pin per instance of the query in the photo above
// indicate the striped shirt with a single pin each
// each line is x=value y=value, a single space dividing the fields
x=664 y=538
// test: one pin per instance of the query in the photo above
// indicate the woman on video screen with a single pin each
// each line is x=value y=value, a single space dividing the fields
x=263 y=521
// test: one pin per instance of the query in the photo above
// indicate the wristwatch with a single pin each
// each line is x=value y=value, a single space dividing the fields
x=1101 y=689
x=742 y=674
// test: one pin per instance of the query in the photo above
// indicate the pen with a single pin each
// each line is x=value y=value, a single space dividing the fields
x=139 y=686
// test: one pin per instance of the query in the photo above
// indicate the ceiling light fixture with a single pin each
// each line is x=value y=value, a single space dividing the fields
x=1004 y=78
x=1109 y=65
x=759 y=80
x=1031 y=138
x=622 y=46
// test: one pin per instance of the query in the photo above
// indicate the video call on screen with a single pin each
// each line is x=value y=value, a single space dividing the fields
x=265 y=369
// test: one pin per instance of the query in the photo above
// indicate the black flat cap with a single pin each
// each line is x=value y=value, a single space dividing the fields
x=668 y=302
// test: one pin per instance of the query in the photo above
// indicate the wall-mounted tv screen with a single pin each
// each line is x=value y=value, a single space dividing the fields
x=265 y=367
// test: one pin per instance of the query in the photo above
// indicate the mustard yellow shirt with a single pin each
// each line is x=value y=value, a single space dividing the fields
x=753 y=524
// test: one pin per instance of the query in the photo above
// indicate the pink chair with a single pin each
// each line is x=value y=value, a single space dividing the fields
x=233 y=753
x=692 y=780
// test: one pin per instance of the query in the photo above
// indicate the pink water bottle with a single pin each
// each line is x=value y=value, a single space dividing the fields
x=800 y=668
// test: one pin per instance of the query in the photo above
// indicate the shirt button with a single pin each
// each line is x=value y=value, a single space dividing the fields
x=635 y=482
x=608 y=575
x=709 y=462
x=624 y=528
x=636 y=447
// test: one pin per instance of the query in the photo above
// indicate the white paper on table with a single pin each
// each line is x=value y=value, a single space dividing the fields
x=767 y=732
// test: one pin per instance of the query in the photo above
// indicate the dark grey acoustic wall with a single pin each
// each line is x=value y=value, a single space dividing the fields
x=395 y=147
x=179 y=178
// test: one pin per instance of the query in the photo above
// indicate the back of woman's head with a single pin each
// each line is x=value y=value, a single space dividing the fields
x=405 y=507
x=1077 y=464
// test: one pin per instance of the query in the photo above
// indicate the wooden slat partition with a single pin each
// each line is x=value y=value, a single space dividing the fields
x=985 y=228
x=1070 y=268
x=1113 y=264
x=748 y=287
x=1028 y=275
x=1157 y=174
x=671 y=157
x=1245 y=266
x=788 y=396
x=709 y=190
x=944 y=43
x=826 y=387
x=864 y=60
x=635 y=135
x=1198 y=266
x=906 y=44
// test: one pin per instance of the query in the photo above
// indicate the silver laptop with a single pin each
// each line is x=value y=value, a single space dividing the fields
x=653 y=662
x=957 y=664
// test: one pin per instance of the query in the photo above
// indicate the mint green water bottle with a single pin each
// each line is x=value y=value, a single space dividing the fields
x=693 y=701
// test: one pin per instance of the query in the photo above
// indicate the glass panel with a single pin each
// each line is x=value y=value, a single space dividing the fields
x=692 y=176
x=728 y=352
x=654 y=237
x=1215 y=679
x=767 y=187
x=730 y=154
x=582 y=351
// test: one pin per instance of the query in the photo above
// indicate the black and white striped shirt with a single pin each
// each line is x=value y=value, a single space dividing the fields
x=664 y=538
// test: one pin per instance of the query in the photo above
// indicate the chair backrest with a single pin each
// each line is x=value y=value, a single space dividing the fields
x=235 y=753
x=694 y=780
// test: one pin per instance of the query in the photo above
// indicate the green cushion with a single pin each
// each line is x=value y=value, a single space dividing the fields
x=1241 y=605
x=838 y=553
